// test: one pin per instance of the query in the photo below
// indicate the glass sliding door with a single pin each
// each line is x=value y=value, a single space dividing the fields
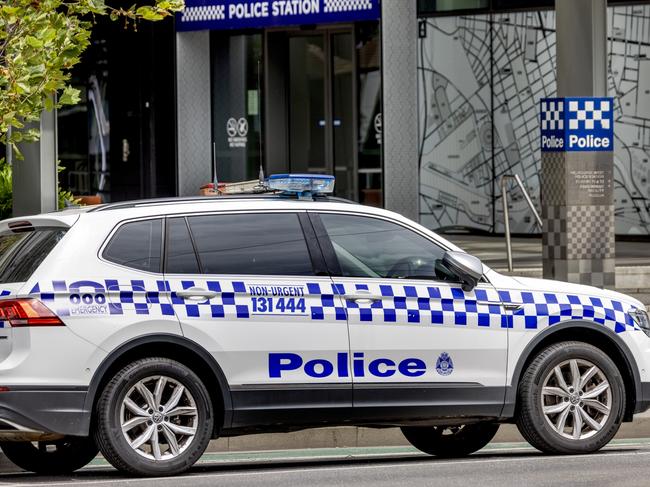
x=321 y=106
x=307 y=122
x=343 y=127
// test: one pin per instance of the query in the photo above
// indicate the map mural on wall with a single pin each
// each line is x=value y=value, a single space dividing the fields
x=480 y=79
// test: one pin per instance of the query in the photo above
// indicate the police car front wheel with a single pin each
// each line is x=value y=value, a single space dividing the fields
x=450 y=441
x=571 y=399
x=154 y=418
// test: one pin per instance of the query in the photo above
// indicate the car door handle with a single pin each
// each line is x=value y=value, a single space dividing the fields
x=362 y=298
x=196 y=293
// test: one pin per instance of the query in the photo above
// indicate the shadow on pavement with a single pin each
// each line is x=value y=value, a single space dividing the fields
x=101 y=473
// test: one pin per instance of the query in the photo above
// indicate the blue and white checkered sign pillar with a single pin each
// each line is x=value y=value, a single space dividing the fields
x=577 y=143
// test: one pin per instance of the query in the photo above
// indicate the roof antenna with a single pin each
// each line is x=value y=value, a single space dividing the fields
x=215 y=181
x=261 y=186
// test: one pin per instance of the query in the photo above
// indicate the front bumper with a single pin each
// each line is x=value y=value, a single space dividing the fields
x=48 y=411
x=643 y=402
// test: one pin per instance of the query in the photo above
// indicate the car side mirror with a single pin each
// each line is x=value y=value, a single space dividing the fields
x=466 y=267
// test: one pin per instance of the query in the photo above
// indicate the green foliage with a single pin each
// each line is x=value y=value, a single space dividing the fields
x=66 y=198
x=40 y=41
x=6 y=196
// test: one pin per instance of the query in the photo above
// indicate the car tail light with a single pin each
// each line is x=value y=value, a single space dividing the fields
x=27 y=312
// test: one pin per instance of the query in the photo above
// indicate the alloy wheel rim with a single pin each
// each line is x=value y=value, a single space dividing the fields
x=576 y=399
x=158 y=418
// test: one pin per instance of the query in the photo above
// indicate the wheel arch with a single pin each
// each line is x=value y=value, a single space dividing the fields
x=183 y=350
x=593 y=334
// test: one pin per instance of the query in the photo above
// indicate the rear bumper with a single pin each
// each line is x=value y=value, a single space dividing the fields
x=58 y=410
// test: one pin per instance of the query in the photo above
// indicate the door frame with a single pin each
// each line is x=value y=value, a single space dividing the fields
x=276 y=107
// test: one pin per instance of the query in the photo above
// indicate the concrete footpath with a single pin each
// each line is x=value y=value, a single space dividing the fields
x=632 y=260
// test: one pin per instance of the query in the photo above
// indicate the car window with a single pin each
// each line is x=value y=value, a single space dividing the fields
x=371 y=247
x=22 y=253
x=137 y=245
x=262 y=244
x=181 y=258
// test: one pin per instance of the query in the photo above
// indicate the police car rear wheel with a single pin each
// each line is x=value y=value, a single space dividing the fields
x=51 y=457
x=450 y=441
x=154 y=418
x=571 y=399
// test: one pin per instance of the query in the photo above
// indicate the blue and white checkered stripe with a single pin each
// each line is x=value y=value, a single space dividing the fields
x=552 y=115
x=589 y=114
x=109 y=296
x=418 y=304
x=539 y=310
x=425 y=305
x=231 y=300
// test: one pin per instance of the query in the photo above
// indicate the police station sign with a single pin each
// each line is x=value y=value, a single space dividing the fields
x=577 y=124
x=253 y=14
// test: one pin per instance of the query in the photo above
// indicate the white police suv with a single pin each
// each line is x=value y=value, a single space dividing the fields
x=145 y=329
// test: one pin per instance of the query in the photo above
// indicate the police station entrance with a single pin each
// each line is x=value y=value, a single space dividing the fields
x=311 y=87
x=296 y=93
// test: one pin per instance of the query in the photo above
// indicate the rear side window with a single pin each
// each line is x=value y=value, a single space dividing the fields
x=137 y=245
x=22 y=253
x=262 y=244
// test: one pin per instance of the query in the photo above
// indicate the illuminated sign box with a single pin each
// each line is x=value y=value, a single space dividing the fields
x=577 y=124
x=256 y=14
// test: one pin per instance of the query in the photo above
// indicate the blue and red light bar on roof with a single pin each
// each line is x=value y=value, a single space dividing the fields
x=301 y=184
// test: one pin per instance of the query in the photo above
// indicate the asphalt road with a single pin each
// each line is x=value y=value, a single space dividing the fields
x=624 y=463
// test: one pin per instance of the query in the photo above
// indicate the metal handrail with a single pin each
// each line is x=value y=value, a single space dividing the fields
x=506 y=213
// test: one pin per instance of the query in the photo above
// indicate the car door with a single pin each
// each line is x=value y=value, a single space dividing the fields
x=417 y=339
x=245 y=287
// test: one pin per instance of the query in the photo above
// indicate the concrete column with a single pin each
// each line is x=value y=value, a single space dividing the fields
x=193 y=111
x=400 y=111
x=34 y=179
x=581 y=47
x=577 y=187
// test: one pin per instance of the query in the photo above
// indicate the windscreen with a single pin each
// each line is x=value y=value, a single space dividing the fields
x=21 y=253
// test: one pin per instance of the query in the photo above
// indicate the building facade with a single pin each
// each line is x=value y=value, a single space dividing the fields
x=293 y=87
x=302 y=86
x=481 y=79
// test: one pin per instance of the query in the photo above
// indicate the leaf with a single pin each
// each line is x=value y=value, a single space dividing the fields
x=18 y=156
x=34 y=42
x=49 y=103
x=15 y=137
x=49 y=35
x=70 y=96
x=7 y=10
x=148 y=13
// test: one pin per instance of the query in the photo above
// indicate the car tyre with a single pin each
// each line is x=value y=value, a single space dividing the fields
x=451 y=441
x=571 y=399
x=57 y=457
x=154 y=418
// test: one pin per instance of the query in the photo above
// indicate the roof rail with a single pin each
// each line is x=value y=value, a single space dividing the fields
x=210 y=199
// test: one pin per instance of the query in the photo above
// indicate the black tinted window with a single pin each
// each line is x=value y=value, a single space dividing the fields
x=370 y=247
x=22 y=253
x=137 y=245
x=181 y=258
x=267 y=244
